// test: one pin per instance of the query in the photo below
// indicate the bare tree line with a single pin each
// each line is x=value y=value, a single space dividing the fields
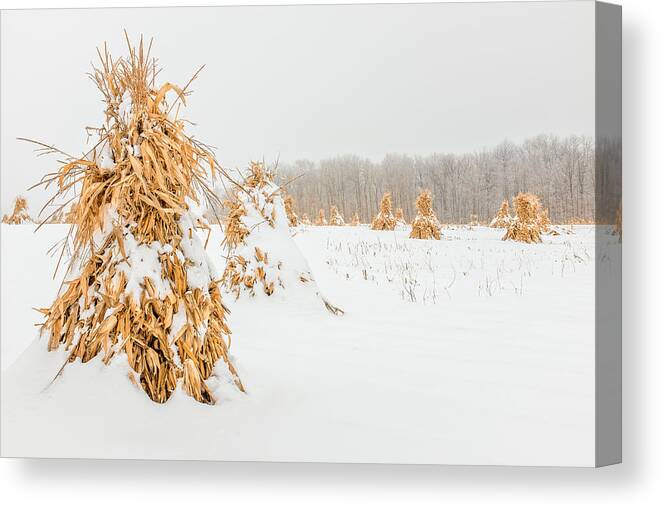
x=560 y=170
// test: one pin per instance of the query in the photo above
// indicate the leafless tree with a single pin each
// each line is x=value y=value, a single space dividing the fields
x=560 y=170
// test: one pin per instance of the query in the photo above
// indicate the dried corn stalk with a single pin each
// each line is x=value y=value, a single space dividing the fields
x=335 y=217
x=425 y=225
x=305 y=219
x=262 y=256
x=20 y=214
x=473 y=220
x=355 y=219
x=292 y=217
x=139 y=281
x=384 y=220
x=321 y=218
x=525 y=225
x=502 y=218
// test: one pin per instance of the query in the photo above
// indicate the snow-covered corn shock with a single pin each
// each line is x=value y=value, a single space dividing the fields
x=262 y=256
x=139 y=283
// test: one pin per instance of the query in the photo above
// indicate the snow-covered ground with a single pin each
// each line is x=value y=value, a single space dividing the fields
x=465 y=350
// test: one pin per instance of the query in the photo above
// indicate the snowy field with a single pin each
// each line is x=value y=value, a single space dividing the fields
x=464 y=350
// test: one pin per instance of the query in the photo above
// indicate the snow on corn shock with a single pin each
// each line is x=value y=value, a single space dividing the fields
x=139 y=283
x=263 y=258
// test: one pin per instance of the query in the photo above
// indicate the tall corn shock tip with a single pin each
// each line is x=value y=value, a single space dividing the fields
x=259 y=180
x=134 y=187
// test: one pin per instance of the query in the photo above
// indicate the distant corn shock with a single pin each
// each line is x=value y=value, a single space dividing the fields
x=425 y=225
x=321 y=218
x=20 y=214
x=335 y=217
x=502 y=218
x=384 y=220
x=525 y=226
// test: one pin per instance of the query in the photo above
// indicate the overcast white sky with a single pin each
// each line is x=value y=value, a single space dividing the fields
x=309 y=82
